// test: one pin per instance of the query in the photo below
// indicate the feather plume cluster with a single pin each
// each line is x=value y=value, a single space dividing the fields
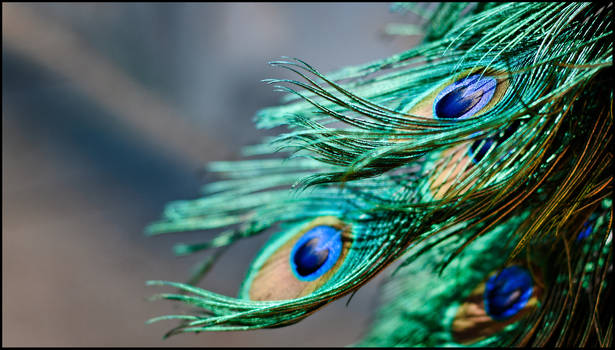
x=525 y=181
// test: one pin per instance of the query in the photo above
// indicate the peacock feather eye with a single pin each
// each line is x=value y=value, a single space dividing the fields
x=465 y=97
x=588 y=227
x=508 y=292
x=316 y=252
x=298 y=261
x=473 y=91
x=586 y=231
x=504 y=298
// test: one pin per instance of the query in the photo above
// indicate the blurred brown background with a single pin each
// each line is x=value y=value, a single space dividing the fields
x=111 y=110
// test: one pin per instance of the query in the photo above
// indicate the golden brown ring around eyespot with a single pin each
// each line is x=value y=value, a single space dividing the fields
x=456 y=163
x=473 y=323
x=275 y=279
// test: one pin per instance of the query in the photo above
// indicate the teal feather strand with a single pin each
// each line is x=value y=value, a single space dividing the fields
x=406 y=319
x=357 y=154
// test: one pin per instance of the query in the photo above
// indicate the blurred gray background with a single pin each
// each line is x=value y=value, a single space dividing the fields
x=111 y=110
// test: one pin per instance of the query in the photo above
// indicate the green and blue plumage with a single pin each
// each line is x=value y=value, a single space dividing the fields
x=475 y=160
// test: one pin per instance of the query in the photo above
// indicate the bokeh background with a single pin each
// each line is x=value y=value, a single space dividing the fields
x=111 y=110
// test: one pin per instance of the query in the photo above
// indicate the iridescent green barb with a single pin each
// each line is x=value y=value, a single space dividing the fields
x=419 y=304
x=479 y=160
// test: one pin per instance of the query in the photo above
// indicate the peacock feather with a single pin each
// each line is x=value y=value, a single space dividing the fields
x=478 y=163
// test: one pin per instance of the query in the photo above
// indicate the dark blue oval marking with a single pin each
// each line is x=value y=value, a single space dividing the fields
x=588 y=227
x=316 y=252
x=586 y=231
x=465 y=97
x=508 y=292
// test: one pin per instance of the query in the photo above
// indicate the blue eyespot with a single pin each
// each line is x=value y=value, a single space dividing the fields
x=508 y=292
x=479 y=148
x=586 y=231
x=316 y=252
x=588 y=227
x=465 y=97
